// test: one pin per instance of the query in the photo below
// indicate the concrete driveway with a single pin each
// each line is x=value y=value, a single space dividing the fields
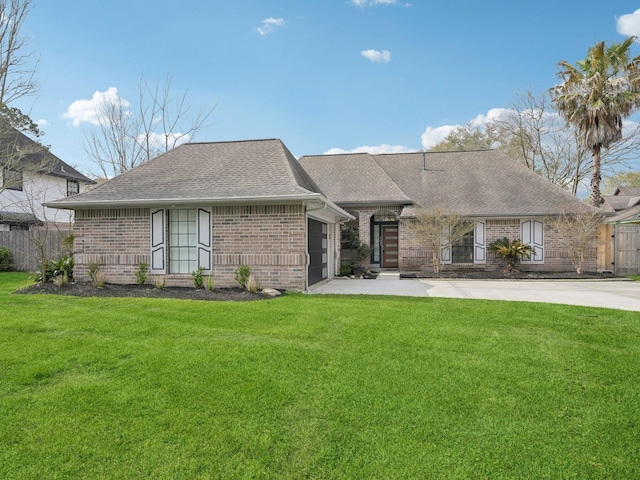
x=614 y=293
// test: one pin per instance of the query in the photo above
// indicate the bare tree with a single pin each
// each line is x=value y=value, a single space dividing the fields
x=531 y=132
x=16 y=68
x=437 y=230
x=577 y=233
x=127 y=136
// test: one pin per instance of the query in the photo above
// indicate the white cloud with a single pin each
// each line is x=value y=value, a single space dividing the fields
x=370 y=3
x=629 y=24
x=269 y=25
x=376 y=56
x=432 y=136
x=89 y=110
x=374 y=149
x=43 y=122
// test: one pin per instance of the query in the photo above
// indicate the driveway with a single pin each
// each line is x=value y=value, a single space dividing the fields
x=614 y=293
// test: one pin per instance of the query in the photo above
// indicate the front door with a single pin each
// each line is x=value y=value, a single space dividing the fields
x=317 y=246
x=390 y=246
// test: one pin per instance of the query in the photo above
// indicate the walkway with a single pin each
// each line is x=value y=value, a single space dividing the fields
x=615 y=293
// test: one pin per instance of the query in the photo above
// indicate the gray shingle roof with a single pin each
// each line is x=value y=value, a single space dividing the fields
x=40 y=158
x=254 y=169
x=353 y=179
x=475 y=183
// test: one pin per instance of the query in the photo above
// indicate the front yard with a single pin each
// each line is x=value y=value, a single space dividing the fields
x=315 y=387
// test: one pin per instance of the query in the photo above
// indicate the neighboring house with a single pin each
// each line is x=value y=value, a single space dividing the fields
x=211 y=205
x=31 y=176
x=501 y=197
x=621 y=234
x=221 y=205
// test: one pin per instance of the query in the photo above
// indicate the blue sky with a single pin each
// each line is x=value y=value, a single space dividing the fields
x=322 y=75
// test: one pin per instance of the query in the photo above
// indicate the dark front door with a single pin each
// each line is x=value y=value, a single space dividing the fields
x=317 y=239
x=390 y=246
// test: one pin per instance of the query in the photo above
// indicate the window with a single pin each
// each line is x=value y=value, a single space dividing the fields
x=470 y=249
x=73 y=187
x=12 y=179
x=181 y=239
x=462 y=251
x=183 y=231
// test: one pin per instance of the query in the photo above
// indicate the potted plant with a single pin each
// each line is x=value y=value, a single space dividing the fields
x=511 y=250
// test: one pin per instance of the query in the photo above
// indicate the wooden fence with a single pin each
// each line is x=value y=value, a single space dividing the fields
x=25 y=247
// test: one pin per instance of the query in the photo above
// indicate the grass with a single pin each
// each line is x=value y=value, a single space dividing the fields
x=315 y=387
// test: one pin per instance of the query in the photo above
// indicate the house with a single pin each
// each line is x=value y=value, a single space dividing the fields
x=620 y=236
x=32 y=176
x=211 y=205
x=225 y=204
x=501 y=197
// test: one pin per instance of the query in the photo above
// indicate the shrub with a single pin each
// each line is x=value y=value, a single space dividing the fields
x=99 y=279
x=63 y=267
x=94 y=271
x=198 y=279
x=158 y=282
x=61 y=280
x=242 y=274
x=141 y=274
x=511 y=250
x=211 y=284
x=5 y=258
x=252 y=284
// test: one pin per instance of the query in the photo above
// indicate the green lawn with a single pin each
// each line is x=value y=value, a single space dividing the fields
x=315 y=387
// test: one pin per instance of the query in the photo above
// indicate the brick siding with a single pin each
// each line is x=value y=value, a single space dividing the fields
x=271 y=239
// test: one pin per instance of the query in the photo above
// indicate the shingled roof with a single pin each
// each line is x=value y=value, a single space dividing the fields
x=624 y=205
x=35 y=157
x=214 y=173
x=475 y=183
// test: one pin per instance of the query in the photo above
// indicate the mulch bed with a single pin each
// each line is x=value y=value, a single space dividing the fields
x=81 y=289
x=479 y=275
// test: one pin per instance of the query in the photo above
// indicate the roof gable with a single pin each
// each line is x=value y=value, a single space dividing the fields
x=200 y=172
x=38 y=158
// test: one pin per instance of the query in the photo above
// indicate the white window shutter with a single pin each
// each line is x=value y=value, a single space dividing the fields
x=479 y=243
x=158 y=243
x=537 y=241
x=532 y=233
x=204 y=239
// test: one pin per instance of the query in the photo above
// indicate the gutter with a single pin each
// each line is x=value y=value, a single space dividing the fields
x=192 y=202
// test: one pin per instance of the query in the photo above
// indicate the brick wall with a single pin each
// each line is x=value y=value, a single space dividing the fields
x=271 y=239
x=416 y=259
x=116 y=239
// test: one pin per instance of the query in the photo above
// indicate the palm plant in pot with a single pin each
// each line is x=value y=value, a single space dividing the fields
x=511 y=250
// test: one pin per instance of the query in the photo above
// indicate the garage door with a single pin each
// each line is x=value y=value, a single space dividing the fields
x=317 y=234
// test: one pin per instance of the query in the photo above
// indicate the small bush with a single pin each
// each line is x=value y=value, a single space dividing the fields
x=198 y=279
x=141 y=274
x=252 y=284
x=61 y=280
x=55 y=269
x=242 y=274
x=211 y=284
x=158 y=282
x=94 y=270
x=99 y=279
x=5 y=259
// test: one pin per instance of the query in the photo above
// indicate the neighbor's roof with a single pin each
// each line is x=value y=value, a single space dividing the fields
x=193 y=173
x=39 y=158
x=475 y=183
x=625 y=203
x=19 y=218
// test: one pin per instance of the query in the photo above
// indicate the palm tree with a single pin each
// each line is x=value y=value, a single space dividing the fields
x=597 y=93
